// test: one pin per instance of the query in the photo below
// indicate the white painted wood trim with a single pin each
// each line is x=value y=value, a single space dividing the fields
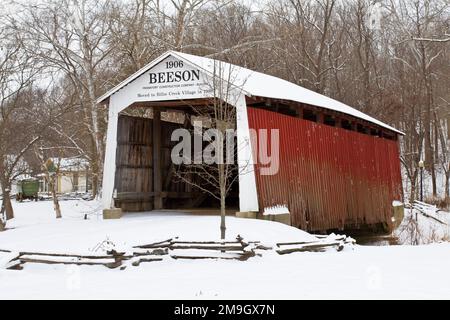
x=109 y=166
x=248 y=195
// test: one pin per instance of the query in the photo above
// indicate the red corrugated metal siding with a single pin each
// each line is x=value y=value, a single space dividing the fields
x=328 y=177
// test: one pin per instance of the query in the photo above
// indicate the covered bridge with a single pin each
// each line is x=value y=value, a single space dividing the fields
x=338 y=167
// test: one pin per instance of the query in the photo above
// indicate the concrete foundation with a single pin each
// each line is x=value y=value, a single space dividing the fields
x=115 y=213
x=246 y=214
x=398 y=213
x=282 y=218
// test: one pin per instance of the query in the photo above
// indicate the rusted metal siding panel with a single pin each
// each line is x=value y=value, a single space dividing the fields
x=328 y=177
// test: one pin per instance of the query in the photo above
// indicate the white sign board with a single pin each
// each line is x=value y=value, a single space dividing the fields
x=171 y=79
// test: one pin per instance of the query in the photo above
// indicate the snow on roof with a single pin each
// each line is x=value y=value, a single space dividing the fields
x=255 y=83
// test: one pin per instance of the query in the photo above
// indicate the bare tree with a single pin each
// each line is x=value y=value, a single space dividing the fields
x=51 y=170
x=17 y=107
x=185 y=11
x=70 y=37
x=136 y=34
x=215 y=168
x=416 y=20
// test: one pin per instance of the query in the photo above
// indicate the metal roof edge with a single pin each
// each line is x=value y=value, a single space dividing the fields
x=181 y=56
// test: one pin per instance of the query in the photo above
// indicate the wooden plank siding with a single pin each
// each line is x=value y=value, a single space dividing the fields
x=134 y=180
x=134 y=162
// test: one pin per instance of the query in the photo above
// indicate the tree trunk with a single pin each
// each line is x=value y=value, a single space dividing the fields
x=55 y=197
x=97 y=137
x=2 y=221
x=94 y=109
x=414 y=184
x=180 y=25
x=448 y=127
x=8 y=209
x=222 y=216
x=412 y=195
x=94 y=185
x=222 y=181
x=8 y=206
x=447 y=186
x=95 y=181
x=429 y=152
x=433 y=180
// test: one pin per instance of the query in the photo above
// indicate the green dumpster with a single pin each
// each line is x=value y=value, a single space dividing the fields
x=27 y=189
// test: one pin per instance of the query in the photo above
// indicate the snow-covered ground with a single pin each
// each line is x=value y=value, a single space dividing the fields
x=383 y=272
x=417 y=228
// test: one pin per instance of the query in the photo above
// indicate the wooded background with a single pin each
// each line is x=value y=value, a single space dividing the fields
x=388 y=58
